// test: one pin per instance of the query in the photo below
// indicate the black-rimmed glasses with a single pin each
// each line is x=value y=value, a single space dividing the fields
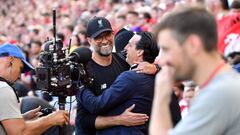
x=106 y=35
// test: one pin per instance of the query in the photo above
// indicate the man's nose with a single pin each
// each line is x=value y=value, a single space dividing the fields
x=126 y=47
x=105 y=41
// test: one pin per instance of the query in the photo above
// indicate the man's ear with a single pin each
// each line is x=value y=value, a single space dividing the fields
x=140 y=52
x=194 y=44
x=10 y=60
x=89 y=40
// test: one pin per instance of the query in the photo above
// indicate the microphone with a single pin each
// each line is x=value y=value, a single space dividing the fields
x=81 y=55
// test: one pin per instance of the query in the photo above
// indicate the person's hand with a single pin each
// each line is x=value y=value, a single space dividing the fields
x=128 y=118
x=164 y=83
x=32 y=114
x=58 y=117
x=146 y=68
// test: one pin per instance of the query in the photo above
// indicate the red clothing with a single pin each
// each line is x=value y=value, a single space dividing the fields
x=227 y=25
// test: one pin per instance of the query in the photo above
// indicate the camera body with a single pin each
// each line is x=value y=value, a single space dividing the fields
x=62 y=74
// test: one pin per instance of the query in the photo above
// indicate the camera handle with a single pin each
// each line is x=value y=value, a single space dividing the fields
x=61 y=104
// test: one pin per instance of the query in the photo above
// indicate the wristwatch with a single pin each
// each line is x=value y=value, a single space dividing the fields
x=157 y=67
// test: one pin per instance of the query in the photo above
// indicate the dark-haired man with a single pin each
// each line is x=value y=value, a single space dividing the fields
x=188 y=39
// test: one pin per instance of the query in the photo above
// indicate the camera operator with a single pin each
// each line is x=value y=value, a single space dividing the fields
x=13 y=62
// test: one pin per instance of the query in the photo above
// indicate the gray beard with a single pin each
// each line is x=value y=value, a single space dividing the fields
x=102 y=52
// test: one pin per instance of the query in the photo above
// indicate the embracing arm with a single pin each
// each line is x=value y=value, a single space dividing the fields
x=121 y=90
x=127 y=118
x=147 y=68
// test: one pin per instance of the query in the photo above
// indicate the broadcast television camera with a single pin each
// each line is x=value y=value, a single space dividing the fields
x=62 y=74
x=59 y=73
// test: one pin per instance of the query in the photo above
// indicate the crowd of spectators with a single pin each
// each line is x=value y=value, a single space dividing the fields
x=29 y=23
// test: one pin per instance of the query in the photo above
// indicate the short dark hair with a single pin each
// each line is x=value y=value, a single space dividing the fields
x=147 y=16
x=69 y=27
x=191 y=20
x=225 y=4
x=121 y=17
x=78 y=40
x=235 y=5
x=149 y=44
x=133 y=13
x=37 y=42
x=61 y=36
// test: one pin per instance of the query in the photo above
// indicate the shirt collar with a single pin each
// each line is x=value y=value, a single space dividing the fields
x=133 y=66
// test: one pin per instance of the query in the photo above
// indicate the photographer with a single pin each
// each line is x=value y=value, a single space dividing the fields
x=13 y=62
